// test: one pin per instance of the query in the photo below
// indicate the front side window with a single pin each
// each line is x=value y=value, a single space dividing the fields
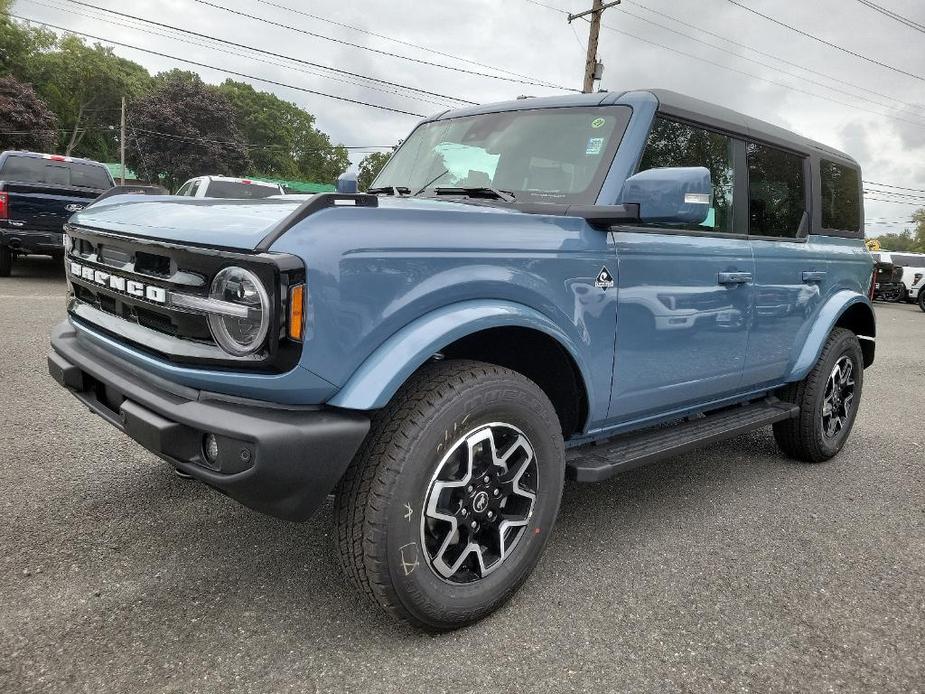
x=672 y=143
x=776 y=191
x=185 y=188
x=841 y=196
x=541 y=155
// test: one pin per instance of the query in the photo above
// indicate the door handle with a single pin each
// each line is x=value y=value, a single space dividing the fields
x=734 y=278
x=813 y=276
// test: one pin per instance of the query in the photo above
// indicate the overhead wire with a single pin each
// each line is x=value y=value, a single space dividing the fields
x=912 y=24
x=265 y=80
x=402 y=42
x=262 y=51
x=824 y=42
x=358 y=46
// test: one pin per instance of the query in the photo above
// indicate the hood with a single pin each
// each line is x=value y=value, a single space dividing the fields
x=237 y=224
x=232 y=224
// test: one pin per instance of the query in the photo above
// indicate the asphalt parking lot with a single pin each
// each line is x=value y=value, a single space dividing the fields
x=729 y=569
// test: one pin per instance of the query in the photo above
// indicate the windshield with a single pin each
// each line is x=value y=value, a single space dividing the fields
x=542 y=155
x=55 y=172
x=232 y=189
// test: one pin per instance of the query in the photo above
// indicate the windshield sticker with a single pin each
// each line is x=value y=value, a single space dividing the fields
x=597 y=123
x=595 y=145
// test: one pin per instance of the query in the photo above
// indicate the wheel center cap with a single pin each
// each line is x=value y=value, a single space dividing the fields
x=480 y=502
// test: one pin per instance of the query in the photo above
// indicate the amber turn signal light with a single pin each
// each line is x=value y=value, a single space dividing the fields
x=296 y=312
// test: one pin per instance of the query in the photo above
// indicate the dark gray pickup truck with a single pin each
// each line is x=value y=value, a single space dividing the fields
x=38 y=192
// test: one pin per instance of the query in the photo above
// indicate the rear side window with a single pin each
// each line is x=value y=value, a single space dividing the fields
x=672 y=143
x=231 y=189
x=841 y=196
x=54 y=172
x=776 y=191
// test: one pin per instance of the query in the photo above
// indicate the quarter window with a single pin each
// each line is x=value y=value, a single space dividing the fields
x=776 y=191
x=672 y=143
x=841 y=198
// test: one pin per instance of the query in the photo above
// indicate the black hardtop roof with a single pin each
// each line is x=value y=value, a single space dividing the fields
x=673 y=104
x=690 y=108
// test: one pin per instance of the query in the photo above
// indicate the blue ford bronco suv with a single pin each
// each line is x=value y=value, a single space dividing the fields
x=537 y=290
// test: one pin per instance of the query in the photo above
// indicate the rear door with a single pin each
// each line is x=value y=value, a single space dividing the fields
x=792 y=269
x=685 y=292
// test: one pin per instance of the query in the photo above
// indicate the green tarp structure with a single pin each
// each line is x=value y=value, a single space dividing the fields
x=115 y=169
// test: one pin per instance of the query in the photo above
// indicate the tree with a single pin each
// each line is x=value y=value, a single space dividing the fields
x=26 y=122
x=370 y=167
x=19 y=44
x=283 y=139
x=84 y=85
x=184 y=128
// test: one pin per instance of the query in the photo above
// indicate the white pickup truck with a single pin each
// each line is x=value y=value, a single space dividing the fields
x=227 y=187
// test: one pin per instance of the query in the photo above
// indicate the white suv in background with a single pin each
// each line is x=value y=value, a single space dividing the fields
x=226 y=187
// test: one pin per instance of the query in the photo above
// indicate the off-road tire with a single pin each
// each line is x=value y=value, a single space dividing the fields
x=380 y=546
x=921 y=298
x=803 y=438
x=6 y=261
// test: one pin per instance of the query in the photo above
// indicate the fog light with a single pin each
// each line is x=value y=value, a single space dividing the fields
x=210 y=448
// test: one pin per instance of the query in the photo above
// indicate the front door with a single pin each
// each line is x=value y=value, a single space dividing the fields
x=685 y=293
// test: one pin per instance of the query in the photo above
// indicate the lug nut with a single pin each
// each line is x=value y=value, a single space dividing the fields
x=469 y=488
x=491 y=514
x=464 y=512
x=473 y=525
x=496 y=492
x=486 y=479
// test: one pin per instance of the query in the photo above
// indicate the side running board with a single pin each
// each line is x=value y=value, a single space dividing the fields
x=596 y=462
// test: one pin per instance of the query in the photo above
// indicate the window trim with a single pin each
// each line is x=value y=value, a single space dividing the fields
x=737 y=141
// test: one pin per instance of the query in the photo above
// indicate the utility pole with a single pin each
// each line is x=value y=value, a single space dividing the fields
x=591 y=70
x=122 y=146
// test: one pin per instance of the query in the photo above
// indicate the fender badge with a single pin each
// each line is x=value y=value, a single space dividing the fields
x=604 y=279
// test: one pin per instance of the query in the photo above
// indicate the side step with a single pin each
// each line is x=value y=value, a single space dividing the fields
x=595 y=462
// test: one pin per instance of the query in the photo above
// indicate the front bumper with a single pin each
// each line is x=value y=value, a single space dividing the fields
x=280 y=461
x=26 y=241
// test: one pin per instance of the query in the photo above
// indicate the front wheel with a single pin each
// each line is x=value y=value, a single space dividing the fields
x=449 y=503
x=828 y=397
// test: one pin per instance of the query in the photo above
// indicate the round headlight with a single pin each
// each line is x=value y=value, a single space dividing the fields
x=244 y=333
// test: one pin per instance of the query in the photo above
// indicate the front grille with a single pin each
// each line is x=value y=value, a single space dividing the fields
x=122 y=286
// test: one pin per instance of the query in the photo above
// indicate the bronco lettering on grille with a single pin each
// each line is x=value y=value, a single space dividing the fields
x=123 y=285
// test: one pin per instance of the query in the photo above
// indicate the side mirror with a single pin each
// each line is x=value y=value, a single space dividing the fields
x=347 y=183
x=671 y=195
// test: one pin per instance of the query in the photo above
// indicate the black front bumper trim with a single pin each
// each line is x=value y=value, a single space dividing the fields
x=280 y=462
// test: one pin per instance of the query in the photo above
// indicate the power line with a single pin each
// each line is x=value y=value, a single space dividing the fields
x=220 y=69
x=891 y=194
x=757 y=62
x=265 y=52
x=887 y=185
x=402 y=42
x=894 y=16
x=744 y=72
x=897 y=202
x=873 y=61
x=372 y=50
x=759 y=52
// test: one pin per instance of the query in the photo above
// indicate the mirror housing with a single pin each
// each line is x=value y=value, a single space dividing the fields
x=670 y=195
x=347 y=183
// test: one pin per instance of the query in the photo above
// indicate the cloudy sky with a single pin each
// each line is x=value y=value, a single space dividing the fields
x=874 y=112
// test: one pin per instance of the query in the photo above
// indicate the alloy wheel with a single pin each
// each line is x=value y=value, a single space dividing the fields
x=839 y=398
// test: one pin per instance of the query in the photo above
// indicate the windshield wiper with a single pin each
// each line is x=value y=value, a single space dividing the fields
x=397 y=191
x=475 y=191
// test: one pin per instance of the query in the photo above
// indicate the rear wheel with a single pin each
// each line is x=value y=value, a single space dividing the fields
x=6 y=261
x=447 y=507
x=921 y=299
x=828 y=397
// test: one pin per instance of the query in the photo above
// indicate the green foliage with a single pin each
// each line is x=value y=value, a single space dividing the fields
x=370 y=167
x=248 y=132
x=184 y=128
x=23 y=112
x=908 y=240
x=283 y=138
x=84 y=85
